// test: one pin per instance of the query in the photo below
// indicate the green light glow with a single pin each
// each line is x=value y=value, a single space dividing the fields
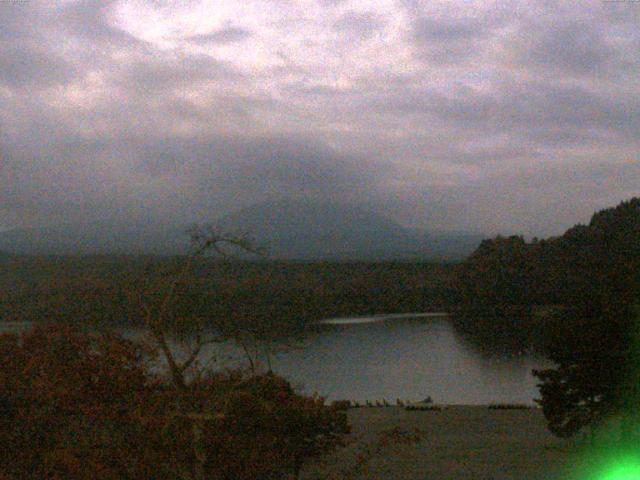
x=626 y=470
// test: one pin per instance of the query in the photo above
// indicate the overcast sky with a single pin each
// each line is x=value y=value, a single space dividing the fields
x=493 y=117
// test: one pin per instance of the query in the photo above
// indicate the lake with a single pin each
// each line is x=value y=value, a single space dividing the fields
x=397 y=356
x=407 y=359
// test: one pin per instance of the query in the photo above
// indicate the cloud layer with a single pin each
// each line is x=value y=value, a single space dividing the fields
x=493 y=117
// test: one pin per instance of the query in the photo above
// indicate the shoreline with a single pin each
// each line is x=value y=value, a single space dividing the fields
x=457 y=442
x=381 y=317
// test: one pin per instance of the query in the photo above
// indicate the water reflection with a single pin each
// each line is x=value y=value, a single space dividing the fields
x=380 y=318
x=408 y=358
x=411 y=359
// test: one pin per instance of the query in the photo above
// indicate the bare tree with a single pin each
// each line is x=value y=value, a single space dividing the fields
x=161 y=324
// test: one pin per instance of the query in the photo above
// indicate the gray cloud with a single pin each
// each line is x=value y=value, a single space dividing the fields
x=26 y=59
x=90 y=20
x=28 y=64
x=157 y=74
x=430 y=29
x=449 y=37
x=359 y=24
x=566 y=48
x=223 y=35
x=16 y=22
x=187 y=178
x=455 y=115
x=529 y=200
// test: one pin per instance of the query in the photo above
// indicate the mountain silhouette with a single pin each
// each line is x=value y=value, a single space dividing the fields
x=289 y=229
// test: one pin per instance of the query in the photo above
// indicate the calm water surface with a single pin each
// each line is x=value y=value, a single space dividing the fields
x=389 y=357
x=407 y=359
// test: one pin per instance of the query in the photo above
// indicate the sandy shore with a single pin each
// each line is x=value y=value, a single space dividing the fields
x=460 y=442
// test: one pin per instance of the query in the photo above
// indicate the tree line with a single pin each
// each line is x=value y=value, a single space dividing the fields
x=591 y=275
x=559 y=270
x=79 y=405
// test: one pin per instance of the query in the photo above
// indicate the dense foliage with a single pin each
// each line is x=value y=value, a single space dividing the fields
x=72 y=404
x=592 y=275
x=596 y=373
x=104 y=290
x=264 y=429
x=78 y=406
x=560 y=270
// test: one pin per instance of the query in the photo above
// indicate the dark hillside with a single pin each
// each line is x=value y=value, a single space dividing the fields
x=507 y=280
x=104 y=288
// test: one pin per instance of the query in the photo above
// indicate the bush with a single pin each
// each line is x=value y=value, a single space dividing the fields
x=77 y=406
x=71 y=404
x=262 y=428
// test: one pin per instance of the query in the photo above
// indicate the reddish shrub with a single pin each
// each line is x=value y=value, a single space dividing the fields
x=267 y=429
x=80 y=406
x=71 y=403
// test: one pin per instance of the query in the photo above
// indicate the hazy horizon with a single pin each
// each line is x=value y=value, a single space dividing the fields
x=467 y=116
